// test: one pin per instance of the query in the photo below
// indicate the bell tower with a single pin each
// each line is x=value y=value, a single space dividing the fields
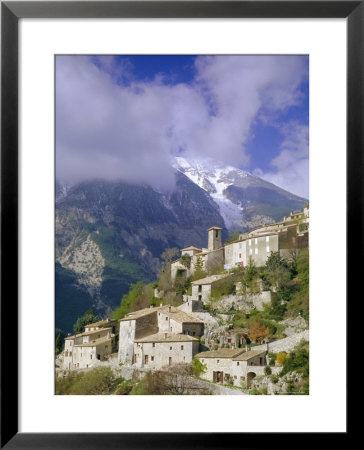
x=214 y=238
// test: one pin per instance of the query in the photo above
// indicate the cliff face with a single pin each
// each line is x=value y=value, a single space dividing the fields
x=111 y=234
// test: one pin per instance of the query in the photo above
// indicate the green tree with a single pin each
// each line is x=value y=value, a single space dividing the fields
x=185 y=260
x=88 y=317
x=277 y=270
x=140 y=296
x=199 y=272
x=168 y=256
x=197 y=367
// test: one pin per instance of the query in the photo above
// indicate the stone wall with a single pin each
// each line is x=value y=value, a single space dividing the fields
x=162 y=354
x=286 y=344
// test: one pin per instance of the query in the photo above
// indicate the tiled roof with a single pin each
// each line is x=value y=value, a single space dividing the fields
x=175 y=314
x=136 y=314
x=100 y=323
x=191 y=247
x=210 y=279
x=96 y=342
x=221 y=353
x=87 y=333
x=178 y=315
x=248 y=355
x=167 y=337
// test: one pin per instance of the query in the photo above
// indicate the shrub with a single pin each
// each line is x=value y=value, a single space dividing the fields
x=124 y=388
x=272 y=358
x=88 y=317
x=274 y=379
x=297 y=361
x=267 y=370
x=281 y=357
x=98 y=381
x=197 y=367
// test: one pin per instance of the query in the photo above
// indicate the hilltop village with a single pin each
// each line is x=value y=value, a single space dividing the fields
x=203 y=324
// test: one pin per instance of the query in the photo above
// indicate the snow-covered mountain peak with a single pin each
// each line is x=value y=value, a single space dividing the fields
x=244 y=200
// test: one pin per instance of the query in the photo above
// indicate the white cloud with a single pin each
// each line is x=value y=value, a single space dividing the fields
x=109 y=128
x=291 y=166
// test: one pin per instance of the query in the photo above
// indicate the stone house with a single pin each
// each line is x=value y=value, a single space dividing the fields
x=164 y=349
x=236 y=366
x=83 y=350
x=159 y=324
x=210 y=257
x=102 y=324
x=235 y=337
x=291 y=234
x=201 y=289
x=235 y=254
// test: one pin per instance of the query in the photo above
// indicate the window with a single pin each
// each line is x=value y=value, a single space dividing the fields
x=181 y=347
x=267 y=239
x=170 y=361
x=217 y=362
x=90 y=356
x=256 y=251
x=170 y=348
x=193 y=333
x=239 y=255
x=166 y=318
x=237 y=363
x=250 y=252
x=240 y=245
x=200 y=288
x=145 y=359
x=267 y=248
x=217 y=233
x=152 y=358
x=256 y=241
x=153 y=345
x=250 y=243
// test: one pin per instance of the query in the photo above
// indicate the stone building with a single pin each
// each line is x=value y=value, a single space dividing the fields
x=209 y=257
x=235 y=337
x=285 y=237
x=201 y=289
x=237 y=366
x=161 y=326
x=85 y=349
x=164 y=349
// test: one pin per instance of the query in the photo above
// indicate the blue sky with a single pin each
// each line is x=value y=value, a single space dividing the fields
x=116 y=113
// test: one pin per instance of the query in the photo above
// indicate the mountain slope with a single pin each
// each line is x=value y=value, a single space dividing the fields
x=111 y=234
x=244 y=200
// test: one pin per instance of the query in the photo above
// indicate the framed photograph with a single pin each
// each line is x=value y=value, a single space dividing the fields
x=168 y=175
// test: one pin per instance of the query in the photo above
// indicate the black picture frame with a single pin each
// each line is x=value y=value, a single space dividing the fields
x=11 y=12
